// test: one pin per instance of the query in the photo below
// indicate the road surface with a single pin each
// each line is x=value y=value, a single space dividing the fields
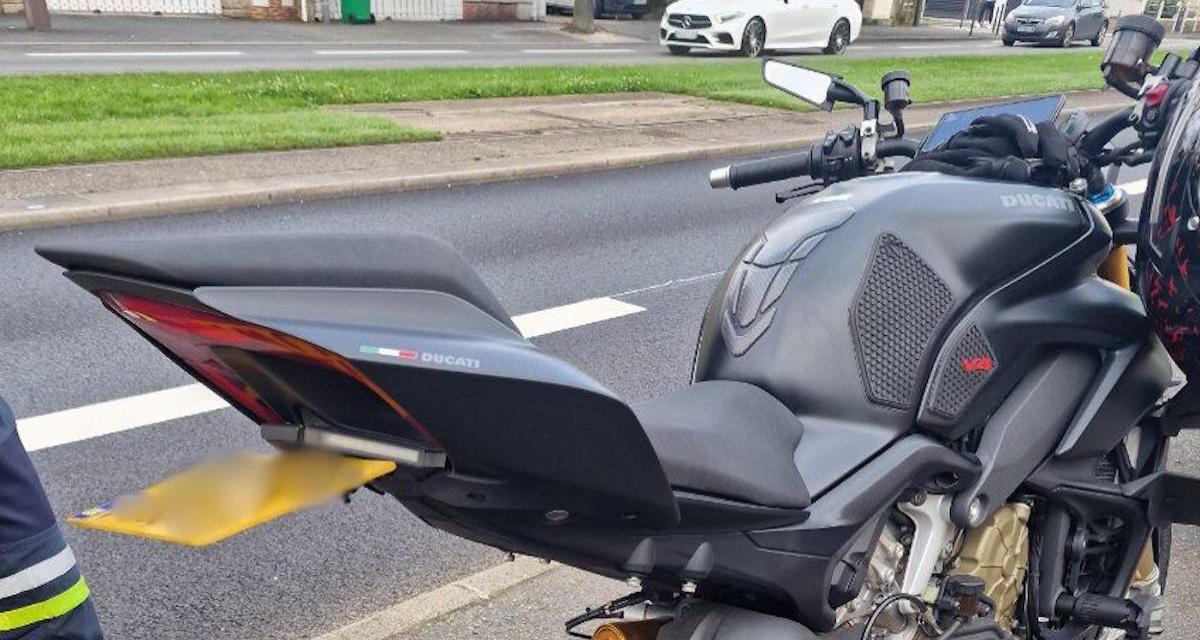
x=92 y=44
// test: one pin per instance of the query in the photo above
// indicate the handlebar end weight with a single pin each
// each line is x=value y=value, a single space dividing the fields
x=719 y=178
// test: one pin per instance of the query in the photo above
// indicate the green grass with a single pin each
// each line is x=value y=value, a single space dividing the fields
x=59 y=119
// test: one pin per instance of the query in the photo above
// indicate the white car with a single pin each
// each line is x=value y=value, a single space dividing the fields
x=754 y=26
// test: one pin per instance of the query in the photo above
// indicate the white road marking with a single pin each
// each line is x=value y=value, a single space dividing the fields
x=115 y=416
x=124 y=414
x=132 y=54
x=1135 y=188
x=574 y=51
x=389 y=52
x=540 y=323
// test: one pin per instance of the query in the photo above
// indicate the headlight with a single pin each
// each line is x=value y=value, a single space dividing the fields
x=1055 y=21
x=726 y=17
x=1011 y=19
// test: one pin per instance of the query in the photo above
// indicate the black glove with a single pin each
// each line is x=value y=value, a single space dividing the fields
x=1009 y=147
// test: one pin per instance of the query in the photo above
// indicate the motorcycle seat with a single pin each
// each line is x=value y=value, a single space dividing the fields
x=338 y=260
x=727 y=439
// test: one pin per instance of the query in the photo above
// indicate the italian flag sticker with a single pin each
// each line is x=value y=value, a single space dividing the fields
x=403 y=354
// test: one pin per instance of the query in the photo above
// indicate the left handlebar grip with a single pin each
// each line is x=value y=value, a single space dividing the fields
x=745 y=174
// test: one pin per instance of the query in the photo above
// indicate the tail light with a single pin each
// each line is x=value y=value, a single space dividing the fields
x=198 y=338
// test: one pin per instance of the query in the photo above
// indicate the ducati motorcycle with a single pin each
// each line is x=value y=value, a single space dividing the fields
x=922 y=405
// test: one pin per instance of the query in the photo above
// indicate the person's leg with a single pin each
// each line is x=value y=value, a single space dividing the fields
x=42 y=593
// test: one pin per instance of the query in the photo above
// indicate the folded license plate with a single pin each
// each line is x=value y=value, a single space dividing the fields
x=217 y=500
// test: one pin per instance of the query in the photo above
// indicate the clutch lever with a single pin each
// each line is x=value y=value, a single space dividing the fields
x=799 y=192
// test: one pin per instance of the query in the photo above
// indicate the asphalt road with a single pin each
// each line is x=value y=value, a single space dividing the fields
x=95 y=44
x=657 y=234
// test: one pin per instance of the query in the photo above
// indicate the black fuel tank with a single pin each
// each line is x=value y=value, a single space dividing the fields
x=839 y=307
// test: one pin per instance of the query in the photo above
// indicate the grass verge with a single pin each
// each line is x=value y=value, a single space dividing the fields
x=61 y=119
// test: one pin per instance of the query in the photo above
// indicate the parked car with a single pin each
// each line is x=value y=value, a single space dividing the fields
x=602 y=8
x=1060 y=22
x=755 y=26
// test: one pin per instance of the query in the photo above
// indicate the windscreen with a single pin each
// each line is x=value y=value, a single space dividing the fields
x=1036 y=110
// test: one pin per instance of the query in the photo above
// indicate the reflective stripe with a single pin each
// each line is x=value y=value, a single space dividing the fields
x=37 y=575
x=59 y=605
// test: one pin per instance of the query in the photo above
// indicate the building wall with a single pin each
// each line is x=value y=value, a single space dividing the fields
x=8 y=7
x=893 y=11
x=878 y=11
x=261 y=9
x=1125 y=7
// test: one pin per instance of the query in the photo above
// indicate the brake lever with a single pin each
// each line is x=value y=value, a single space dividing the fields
x=799 y=192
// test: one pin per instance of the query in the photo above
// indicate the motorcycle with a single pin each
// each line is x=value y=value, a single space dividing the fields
x=923 y=405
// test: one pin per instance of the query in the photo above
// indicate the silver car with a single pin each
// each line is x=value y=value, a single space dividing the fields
x=1059 y=22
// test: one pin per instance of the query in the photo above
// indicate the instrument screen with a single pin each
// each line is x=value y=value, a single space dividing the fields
x=1036 y=110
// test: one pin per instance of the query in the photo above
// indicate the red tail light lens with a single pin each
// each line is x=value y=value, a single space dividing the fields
x=194 y=336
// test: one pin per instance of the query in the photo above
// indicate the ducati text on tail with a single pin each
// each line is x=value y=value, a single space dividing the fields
x=925 y=403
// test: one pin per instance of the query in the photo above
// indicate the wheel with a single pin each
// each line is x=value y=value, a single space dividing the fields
x=677 y=50
x=1100 y=35
x=1008 y=42
x=839 y=39
x=754 y=38
x=1068 y=36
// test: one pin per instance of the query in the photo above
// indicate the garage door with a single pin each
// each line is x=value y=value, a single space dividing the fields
x=944 y=8
x=417 y=9
x=138 y=6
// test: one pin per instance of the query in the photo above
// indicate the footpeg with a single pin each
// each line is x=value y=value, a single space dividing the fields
x=1117 y=613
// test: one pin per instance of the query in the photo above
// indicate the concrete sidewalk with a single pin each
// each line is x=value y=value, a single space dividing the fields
x=485 y=140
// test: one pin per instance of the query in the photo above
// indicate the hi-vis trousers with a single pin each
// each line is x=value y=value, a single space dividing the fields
x=42 y=593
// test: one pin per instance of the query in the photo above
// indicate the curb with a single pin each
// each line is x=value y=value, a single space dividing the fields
x=413 y=614
x=145 y=203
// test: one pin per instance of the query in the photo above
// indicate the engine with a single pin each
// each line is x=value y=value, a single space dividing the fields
x=996 y=553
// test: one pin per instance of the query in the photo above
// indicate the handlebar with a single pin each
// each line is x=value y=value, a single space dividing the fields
x=811 y=163
x=746 y=174
x=1104 y=131
x=904 y=147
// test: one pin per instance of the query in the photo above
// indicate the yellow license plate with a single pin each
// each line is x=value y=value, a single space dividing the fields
x=220 y=499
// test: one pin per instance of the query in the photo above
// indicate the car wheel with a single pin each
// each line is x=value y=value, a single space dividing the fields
x=754 y=38
x=1100 y=35
x=839 y=39
x=677 y=50
x=1068 y=36
x=1008 y=42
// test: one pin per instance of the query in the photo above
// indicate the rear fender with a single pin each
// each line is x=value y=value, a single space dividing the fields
x=525 y=421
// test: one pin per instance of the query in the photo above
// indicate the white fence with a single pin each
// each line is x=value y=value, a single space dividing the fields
x=411 y=10
x=417 y=10
x=138 y=6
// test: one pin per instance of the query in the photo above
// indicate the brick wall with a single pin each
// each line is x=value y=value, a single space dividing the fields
x=489 y=11
x=260 y=9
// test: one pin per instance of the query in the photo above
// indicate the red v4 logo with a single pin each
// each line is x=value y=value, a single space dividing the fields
x=978 y=363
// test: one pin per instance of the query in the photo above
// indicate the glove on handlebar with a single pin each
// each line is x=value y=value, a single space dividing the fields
x=1013 y=148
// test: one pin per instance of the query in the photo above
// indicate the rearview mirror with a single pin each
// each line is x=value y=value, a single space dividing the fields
x=806 y=84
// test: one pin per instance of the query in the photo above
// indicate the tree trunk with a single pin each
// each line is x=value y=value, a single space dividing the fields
x=37 y=16
x=583 y=21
